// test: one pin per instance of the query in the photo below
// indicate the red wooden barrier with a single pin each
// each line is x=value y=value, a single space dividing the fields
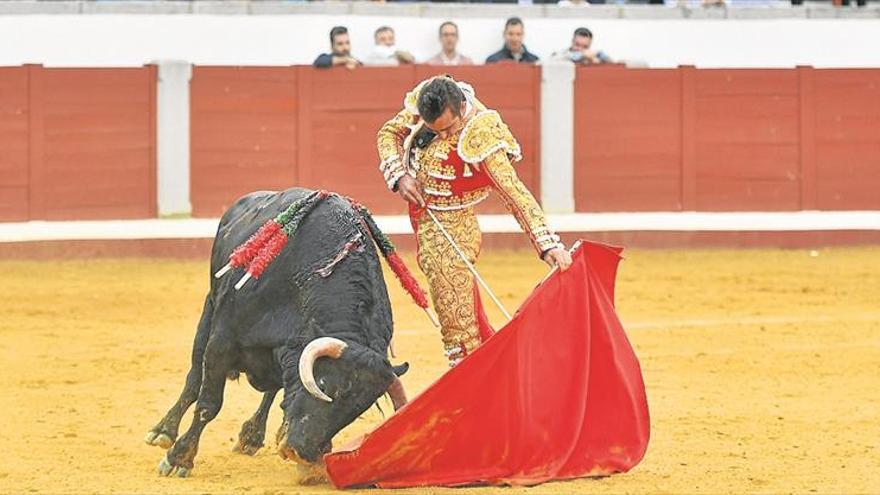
x=14 y=126
x=80 y=143
x=243 y=133
x=726 y=139
x=77 y=143
x=627 y=140
x=847 y=139
x=272 y=128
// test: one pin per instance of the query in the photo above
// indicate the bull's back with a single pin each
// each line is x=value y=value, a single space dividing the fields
x=289 y=284
x=322 y=233
x=245 y=216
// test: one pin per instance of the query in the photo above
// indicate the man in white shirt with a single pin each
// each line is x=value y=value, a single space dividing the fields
x=449 y=41
x=385 y=52
x=581 y=50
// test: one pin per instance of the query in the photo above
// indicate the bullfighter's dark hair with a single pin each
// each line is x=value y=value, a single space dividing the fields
x=438 y=95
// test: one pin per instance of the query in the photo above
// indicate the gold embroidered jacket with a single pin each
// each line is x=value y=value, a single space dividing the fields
x=458 y=172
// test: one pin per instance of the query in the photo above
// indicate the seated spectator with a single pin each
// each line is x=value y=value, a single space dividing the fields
x=340 y=51
x=580 y=51
x=514 y=50
x=448 y=42
x=385 y=52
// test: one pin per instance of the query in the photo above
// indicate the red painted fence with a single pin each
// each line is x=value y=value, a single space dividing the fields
x=77 y=143
x=727 y=139
x=272 y=128
x=80 y=143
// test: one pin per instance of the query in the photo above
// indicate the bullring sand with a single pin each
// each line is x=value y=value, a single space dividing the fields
x=762 y=371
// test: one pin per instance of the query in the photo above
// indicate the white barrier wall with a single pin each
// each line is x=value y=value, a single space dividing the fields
x=135 y=39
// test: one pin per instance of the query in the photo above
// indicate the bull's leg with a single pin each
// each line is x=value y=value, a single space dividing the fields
x=288 y=359
x=218 y=361
x=306 y=473
x=165 y=432
x=253 y=431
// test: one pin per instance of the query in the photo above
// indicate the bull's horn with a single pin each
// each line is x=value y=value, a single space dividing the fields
x=397 y=393
x=322 y=346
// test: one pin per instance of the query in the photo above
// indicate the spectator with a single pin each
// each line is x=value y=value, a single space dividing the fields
x=448 y=41
x=385 y=52
x=514 y=49
x=340 y=51
x=587 y=3
x=580 y=51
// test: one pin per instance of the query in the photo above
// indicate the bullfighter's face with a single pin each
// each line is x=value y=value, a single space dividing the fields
x=448 y=123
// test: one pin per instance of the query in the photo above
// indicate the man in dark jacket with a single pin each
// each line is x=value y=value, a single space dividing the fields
x=340 y=46
x=514 y=49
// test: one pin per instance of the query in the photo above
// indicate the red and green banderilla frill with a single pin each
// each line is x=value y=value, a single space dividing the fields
x=269 y=240
x=265 y=245
x=395 y=262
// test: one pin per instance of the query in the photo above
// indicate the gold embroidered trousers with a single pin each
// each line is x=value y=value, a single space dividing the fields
x=452 y=285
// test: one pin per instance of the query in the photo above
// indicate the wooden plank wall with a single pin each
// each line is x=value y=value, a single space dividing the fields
x=14 y=152
x=273 y=128
x=77 y=143
x=80 y=143
x=727 y=139
x=243 y=133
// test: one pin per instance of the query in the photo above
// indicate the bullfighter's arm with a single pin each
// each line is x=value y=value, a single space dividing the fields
x=520 y=202
x=390 y=141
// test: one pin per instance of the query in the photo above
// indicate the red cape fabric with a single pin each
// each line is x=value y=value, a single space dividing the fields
x=557 y=393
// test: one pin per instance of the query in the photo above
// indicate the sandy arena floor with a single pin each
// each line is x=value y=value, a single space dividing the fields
x=762 y=370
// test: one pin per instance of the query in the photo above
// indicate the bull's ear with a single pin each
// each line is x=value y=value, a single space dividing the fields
x=400 y=369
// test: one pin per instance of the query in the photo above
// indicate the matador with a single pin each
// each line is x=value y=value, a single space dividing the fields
x=445 y=151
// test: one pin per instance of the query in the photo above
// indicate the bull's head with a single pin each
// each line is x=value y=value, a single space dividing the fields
x=338 y=389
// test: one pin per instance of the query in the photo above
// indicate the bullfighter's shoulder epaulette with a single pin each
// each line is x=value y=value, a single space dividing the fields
x=484 y=134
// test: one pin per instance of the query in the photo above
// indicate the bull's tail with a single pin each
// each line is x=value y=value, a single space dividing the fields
x=395 y=262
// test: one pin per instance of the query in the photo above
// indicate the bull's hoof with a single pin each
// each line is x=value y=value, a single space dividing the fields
x=246 y=447
x=250 y=439
x=165 y=467
x=168 y=469
x=159 y=440
x=288 y=454
x=310 y=474
x=284 y=450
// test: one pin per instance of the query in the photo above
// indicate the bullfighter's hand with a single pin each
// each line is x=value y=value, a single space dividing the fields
x=410 y=189
x=558 y=257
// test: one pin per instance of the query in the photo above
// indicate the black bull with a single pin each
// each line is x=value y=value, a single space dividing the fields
x=279 y=325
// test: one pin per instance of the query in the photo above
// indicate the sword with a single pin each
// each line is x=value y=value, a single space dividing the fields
x=468 y=264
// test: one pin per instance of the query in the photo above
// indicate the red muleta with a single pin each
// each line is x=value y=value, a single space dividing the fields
x=556 y=394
